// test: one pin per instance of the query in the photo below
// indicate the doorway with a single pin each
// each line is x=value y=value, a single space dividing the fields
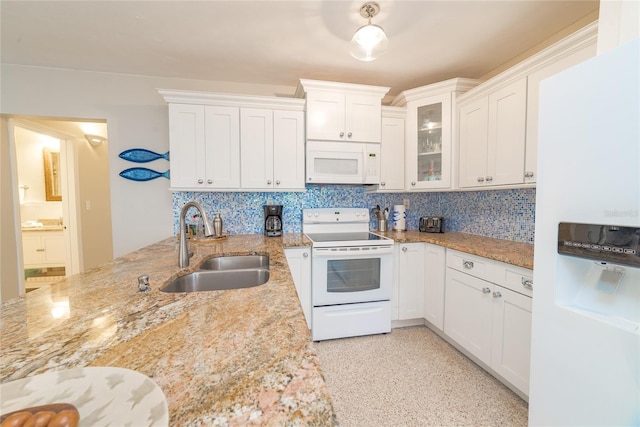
x=60 y=174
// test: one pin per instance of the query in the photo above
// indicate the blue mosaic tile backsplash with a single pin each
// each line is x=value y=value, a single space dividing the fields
x=503 y=214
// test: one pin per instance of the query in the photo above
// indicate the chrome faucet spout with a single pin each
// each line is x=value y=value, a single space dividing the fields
x=183 y=252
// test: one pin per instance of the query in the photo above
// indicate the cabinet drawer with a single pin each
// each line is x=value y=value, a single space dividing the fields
x=474 y=265
x=518 y=279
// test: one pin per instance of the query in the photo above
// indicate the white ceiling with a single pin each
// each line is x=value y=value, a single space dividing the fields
x=278 y=42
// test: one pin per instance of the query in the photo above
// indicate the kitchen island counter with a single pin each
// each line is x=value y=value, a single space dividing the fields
x=232 y=357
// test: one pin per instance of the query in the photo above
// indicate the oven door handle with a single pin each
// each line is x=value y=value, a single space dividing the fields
x=351 y=253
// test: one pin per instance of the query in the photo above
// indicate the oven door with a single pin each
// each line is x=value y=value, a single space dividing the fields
x=351 y=274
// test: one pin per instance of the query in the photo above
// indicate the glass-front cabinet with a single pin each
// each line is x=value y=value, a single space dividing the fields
x=429 y=127
x=429 y=158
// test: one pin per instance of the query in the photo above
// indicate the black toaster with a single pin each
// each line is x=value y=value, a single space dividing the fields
x=432 y=224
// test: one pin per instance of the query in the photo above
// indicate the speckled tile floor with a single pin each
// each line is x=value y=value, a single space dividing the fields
x=412 y=377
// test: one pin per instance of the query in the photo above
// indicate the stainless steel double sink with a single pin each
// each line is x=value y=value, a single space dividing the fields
x=221 y=273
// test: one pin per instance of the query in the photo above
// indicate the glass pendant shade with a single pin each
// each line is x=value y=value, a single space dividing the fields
x=369 y=42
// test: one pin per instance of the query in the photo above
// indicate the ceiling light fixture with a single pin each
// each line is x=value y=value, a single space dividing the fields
x=369 y=41
x=95 y=140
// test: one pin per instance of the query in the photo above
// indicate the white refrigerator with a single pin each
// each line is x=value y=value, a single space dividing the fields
x=585 y=346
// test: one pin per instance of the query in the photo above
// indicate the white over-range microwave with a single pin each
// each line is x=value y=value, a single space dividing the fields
x=343 y=162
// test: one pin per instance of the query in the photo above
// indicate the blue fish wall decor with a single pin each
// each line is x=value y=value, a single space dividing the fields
x=141 y=155
x=143 y=174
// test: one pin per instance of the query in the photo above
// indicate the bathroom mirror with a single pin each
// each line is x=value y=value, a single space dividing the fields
x=52 y=175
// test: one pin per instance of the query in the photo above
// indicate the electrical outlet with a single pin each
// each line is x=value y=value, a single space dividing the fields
x=406 y=203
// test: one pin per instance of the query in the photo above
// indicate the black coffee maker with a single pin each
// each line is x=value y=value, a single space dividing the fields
x=272 y=220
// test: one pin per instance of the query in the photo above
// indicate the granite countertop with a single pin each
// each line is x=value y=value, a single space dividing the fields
x=242 y=356
x=234 y=357
x=516 y=253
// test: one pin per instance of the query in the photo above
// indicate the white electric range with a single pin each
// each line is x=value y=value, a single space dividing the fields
x=352 y=274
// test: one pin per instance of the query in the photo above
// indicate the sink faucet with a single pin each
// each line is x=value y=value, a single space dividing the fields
x=183 y=253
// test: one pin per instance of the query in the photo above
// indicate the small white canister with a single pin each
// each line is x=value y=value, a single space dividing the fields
x=399 y=218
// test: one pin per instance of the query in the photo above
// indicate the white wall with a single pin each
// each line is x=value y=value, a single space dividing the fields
x=619 y=23
x=137 y=117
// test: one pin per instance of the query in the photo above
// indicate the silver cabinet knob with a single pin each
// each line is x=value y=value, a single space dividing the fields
x=341 y=134
x=305 y=254
x=527 y=283
x=269 y=181
x=277 y=182
x=489 y=178
x=486 y=290
x=467 y=264
x=200 y=181
x=480 y=179
x=528 y=174
x=413 y=183
x=349 y=134
x=404 y=249
x=382 y=184
x=497 y=295
x=209 y=181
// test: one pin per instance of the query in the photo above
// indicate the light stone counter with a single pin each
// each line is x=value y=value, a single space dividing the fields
x=233 y=357
x=516 y=253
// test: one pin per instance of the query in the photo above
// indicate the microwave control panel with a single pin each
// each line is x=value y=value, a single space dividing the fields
x=599 y=242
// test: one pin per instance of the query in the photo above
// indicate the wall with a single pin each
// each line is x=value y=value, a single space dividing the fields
x=137 y=117
x=503 y=214
x=9 y=221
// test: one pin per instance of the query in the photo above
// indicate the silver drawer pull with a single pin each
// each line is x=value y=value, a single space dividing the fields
x=467 y=264
x=480 y=179
x=486 y=290
x=497 y=295
x=527 y=283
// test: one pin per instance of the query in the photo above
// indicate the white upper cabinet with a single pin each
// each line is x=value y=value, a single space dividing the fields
x=391 y=150
x=288 y=150
x=498 y=119
x=428 y=133
x=234 y=142
x=341 y=111
x=492 y=137
x=204 y=146
x=256 y=147
x=580 y=52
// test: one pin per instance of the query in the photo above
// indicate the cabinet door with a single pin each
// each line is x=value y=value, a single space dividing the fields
x=256 y=148
x=187 y=145
x=53 y=244
x=222 y=130
x=392 y=153
x=363 y=118
x=288 y=149
x=32 y=250
x=410 y=281
x=299 y=260
x=429 y=143
x=510 y=356
x=325 y=116
x=507 y=128
x=435 y=266
x=467 y=313
x=473 y=142
x=533 y=90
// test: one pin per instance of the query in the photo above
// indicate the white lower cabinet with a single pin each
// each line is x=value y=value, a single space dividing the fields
x=410 y=280
x=435 y=267
x=299 y=260
x=511 y=336
x=43 y=249
x=467 y=318
x=488 y=313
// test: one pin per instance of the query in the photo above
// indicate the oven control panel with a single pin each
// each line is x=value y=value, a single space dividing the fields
x=600 y=242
